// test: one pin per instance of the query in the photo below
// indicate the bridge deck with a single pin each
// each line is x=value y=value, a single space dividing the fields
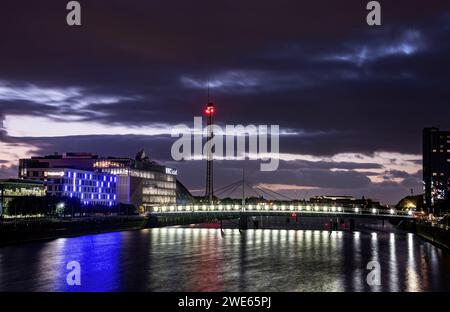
x=266 y=210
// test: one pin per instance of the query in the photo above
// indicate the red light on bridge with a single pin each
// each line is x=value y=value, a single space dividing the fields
x=294 y=215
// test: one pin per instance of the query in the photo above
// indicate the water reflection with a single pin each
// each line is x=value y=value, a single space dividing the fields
x=177 y=259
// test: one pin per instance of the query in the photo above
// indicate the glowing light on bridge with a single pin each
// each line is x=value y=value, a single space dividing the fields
x=319 y=209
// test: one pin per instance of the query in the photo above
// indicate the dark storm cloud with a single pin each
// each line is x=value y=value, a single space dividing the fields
x=312 y=67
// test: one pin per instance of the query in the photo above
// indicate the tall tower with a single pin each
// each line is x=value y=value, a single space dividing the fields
x=209 y=111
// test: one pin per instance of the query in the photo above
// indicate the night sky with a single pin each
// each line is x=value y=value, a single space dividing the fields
x=351 y=100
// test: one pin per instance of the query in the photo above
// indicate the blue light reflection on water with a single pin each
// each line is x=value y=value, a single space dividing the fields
x=177 y=259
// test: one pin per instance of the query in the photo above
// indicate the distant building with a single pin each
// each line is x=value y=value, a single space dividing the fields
x=436 y=166
x=345 y=201
x=140 y=181
x=14 y=188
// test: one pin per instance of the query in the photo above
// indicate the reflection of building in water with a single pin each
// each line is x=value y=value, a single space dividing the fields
x=13 y=188
x=140 y=181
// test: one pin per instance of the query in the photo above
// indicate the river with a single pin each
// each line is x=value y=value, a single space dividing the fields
x=194 y=259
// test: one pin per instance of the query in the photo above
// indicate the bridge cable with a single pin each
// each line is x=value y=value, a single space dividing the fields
x=233 y=190
x=269 y=190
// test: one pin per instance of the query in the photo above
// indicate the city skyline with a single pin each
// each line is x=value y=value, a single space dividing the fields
x=351 y=100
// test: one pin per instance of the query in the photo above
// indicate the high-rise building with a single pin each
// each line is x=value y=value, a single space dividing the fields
x=436 y=166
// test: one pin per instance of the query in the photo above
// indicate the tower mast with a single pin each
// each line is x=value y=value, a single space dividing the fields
x=210 y=110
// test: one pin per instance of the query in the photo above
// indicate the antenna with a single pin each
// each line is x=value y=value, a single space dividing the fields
x=210 y=111
x=209 y=98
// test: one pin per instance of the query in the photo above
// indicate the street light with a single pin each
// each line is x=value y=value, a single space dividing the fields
x=60 y=207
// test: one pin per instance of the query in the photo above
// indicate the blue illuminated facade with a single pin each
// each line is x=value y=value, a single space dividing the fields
x=91 y=188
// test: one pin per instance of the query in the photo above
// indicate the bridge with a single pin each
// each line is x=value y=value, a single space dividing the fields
x=188 y=214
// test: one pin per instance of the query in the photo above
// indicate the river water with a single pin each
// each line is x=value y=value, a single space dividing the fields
x=193 y=259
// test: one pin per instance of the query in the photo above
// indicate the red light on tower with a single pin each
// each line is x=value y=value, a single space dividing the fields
x=210 y=109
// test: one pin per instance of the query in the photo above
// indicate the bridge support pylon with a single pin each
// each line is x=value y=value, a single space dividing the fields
x=243 y=222
x=352 y=225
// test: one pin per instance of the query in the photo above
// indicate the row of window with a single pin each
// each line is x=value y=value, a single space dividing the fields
x=70 y=188
x=91 y=176
x=84 y=182
x=435 y=174
x=161 y=185
x=141 y=174
x=88 y=197
x=153 y=191
x=441 y=151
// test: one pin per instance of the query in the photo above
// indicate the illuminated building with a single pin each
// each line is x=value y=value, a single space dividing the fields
x=13 y=188
x=436 y=166
x=346 y=201
x=90 y=188
x=140 y=181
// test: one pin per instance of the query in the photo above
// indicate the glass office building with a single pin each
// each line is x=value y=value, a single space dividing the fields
x=141 y=183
